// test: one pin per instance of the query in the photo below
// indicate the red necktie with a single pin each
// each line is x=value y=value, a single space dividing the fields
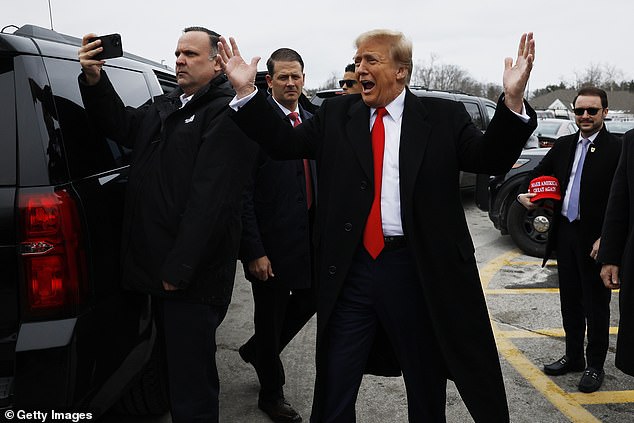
x=294 y=116
x=373 y=234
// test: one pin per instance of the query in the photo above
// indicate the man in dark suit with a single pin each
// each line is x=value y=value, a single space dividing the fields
x=396 y=272
x=276 y=249
x=584 y=164
x=617 y=251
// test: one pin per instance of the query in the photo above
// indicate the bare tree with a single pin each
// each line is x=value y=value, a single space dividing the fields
x=330 y=83
x=591 y=76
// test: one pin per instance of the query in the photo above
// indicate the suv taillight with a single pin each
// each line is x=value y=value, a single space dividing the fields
x=51 y=251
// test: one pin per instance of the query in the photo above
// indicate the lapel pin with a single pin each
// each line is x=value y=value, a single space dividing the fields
x=592 y=149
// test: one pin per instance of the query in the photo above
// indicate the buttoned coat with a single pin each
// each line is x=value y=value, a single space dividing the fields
x=438 y=140
x=617 y=247
x=275 y=220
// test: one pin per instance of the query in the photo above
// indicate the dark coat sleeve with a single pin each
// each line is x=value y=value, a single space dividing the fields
x=616 y=223
x=546 y=167
x=251 y=245
x=108 y=113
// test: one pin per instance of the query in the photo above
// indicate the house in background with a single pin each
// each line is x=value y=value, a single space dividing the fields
x=559 y=102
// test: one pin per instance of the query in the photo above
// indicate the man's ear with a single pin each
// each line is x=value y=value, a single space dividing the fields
x=401 y=73
x=269 y=80
x=216 y=64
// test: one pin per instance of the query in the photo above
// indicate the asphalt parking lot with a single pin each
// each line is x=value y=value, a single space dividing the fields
x=523 y=302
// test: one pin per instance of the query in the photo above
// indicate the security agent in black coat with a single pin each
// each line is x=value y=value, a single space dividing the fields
x=617 y=251
x=585 y=302
x=278 y=225
x=276 y=247
x=181 y=228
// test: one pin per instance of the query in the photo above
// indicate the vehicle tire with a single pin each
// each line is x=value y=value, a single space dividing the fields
x=148 y=395
x=529 y=228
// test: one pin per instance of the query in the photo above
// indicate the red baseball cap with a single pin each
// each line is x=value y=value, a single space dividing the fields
x=544 y=187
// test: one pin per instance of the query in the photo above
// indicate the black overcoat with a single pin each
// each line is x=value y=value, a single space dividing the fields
x=438 y=140
x=275 y=220
x=184 y=194
x=617 y=247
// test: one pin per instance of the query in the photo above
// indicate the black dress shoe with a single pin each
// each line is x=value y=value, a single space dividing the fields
x=591 y=380
x=564 y=365
x=280 y=411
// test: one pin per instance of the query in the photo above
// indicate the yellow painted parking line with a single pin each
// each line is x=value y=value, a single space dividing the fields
x=606 y=397
x=521 y=291
x=518 y=334
x=493 y=266
x=537 y=333
x=564 y=402
x=536 y=262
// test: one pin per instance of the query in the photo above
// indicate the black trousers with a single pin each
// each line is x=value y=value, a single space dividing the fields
x=385 y=291
x=585 y=301
x=190 y=345
x=279 y=314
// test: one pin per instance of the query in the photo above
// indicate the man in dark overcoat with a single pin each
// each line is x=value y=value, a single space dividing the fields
x=617 y=251
x=276 y=250
x=394 y=254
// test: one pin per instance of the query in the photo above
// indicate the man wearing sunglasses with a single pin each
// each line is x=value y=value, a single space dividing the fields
x=584 y=163
x=349 y=83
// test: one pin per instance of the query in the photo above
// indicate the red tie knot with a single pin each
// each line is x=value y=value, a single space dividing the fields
x=294 y=116
x=380 y=112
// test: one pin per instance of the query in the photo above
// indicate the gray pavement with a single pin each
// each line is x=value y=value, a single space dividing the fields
x=524 y=308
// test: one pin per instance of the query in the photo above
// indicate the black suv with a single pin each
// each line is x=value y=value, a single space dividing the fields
x=528 y=228
x=481 y=111
x=70 y=338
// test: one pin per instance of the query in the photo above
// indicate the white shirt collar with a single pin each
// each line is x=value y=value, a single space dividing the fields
x=285 y=110
x=185 y=99
x=591 y=138
x=395 y=108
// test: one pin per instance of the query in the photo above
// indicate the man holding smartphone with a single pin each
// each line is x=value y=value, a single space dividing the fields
x=182 y=226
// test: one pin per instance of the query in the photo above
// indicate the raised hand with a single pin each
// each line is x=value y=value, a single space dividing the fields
x=90 y=66
x=516 y=75
x=240 y=74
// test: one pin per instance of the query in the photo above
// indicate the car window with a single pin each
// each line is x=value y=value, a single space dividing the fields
x=474 y=112
x=490 y=111
x=87 y=151
x=619 y=127
x=547 y=129
x=7 y=123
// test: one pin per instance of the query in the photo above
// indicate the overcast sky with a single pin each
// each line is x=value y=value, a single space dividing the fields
x=475 y=35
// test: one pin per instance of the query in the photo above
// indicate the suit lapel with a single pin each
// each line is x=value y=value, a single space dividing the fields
x=358 y=134
x=414 y=139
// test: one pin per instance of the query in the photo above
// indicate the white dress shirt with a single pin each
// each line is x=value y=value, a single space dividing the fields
x=390 y=182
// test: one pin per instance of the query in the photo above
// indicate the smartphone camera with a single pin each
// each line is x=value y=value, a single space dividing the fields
x=111 y=45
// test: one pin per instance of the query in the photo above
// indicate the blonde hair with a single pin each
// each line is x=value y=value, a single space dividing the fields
x=400 y=47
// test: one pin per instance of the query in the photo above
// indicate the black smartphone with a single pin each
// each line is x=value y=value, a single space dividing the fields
x=111 y=44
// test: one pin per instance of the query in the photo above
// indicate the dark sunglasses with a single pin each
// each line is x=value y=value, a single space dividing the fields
x=347 y=82
x=579 y=111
